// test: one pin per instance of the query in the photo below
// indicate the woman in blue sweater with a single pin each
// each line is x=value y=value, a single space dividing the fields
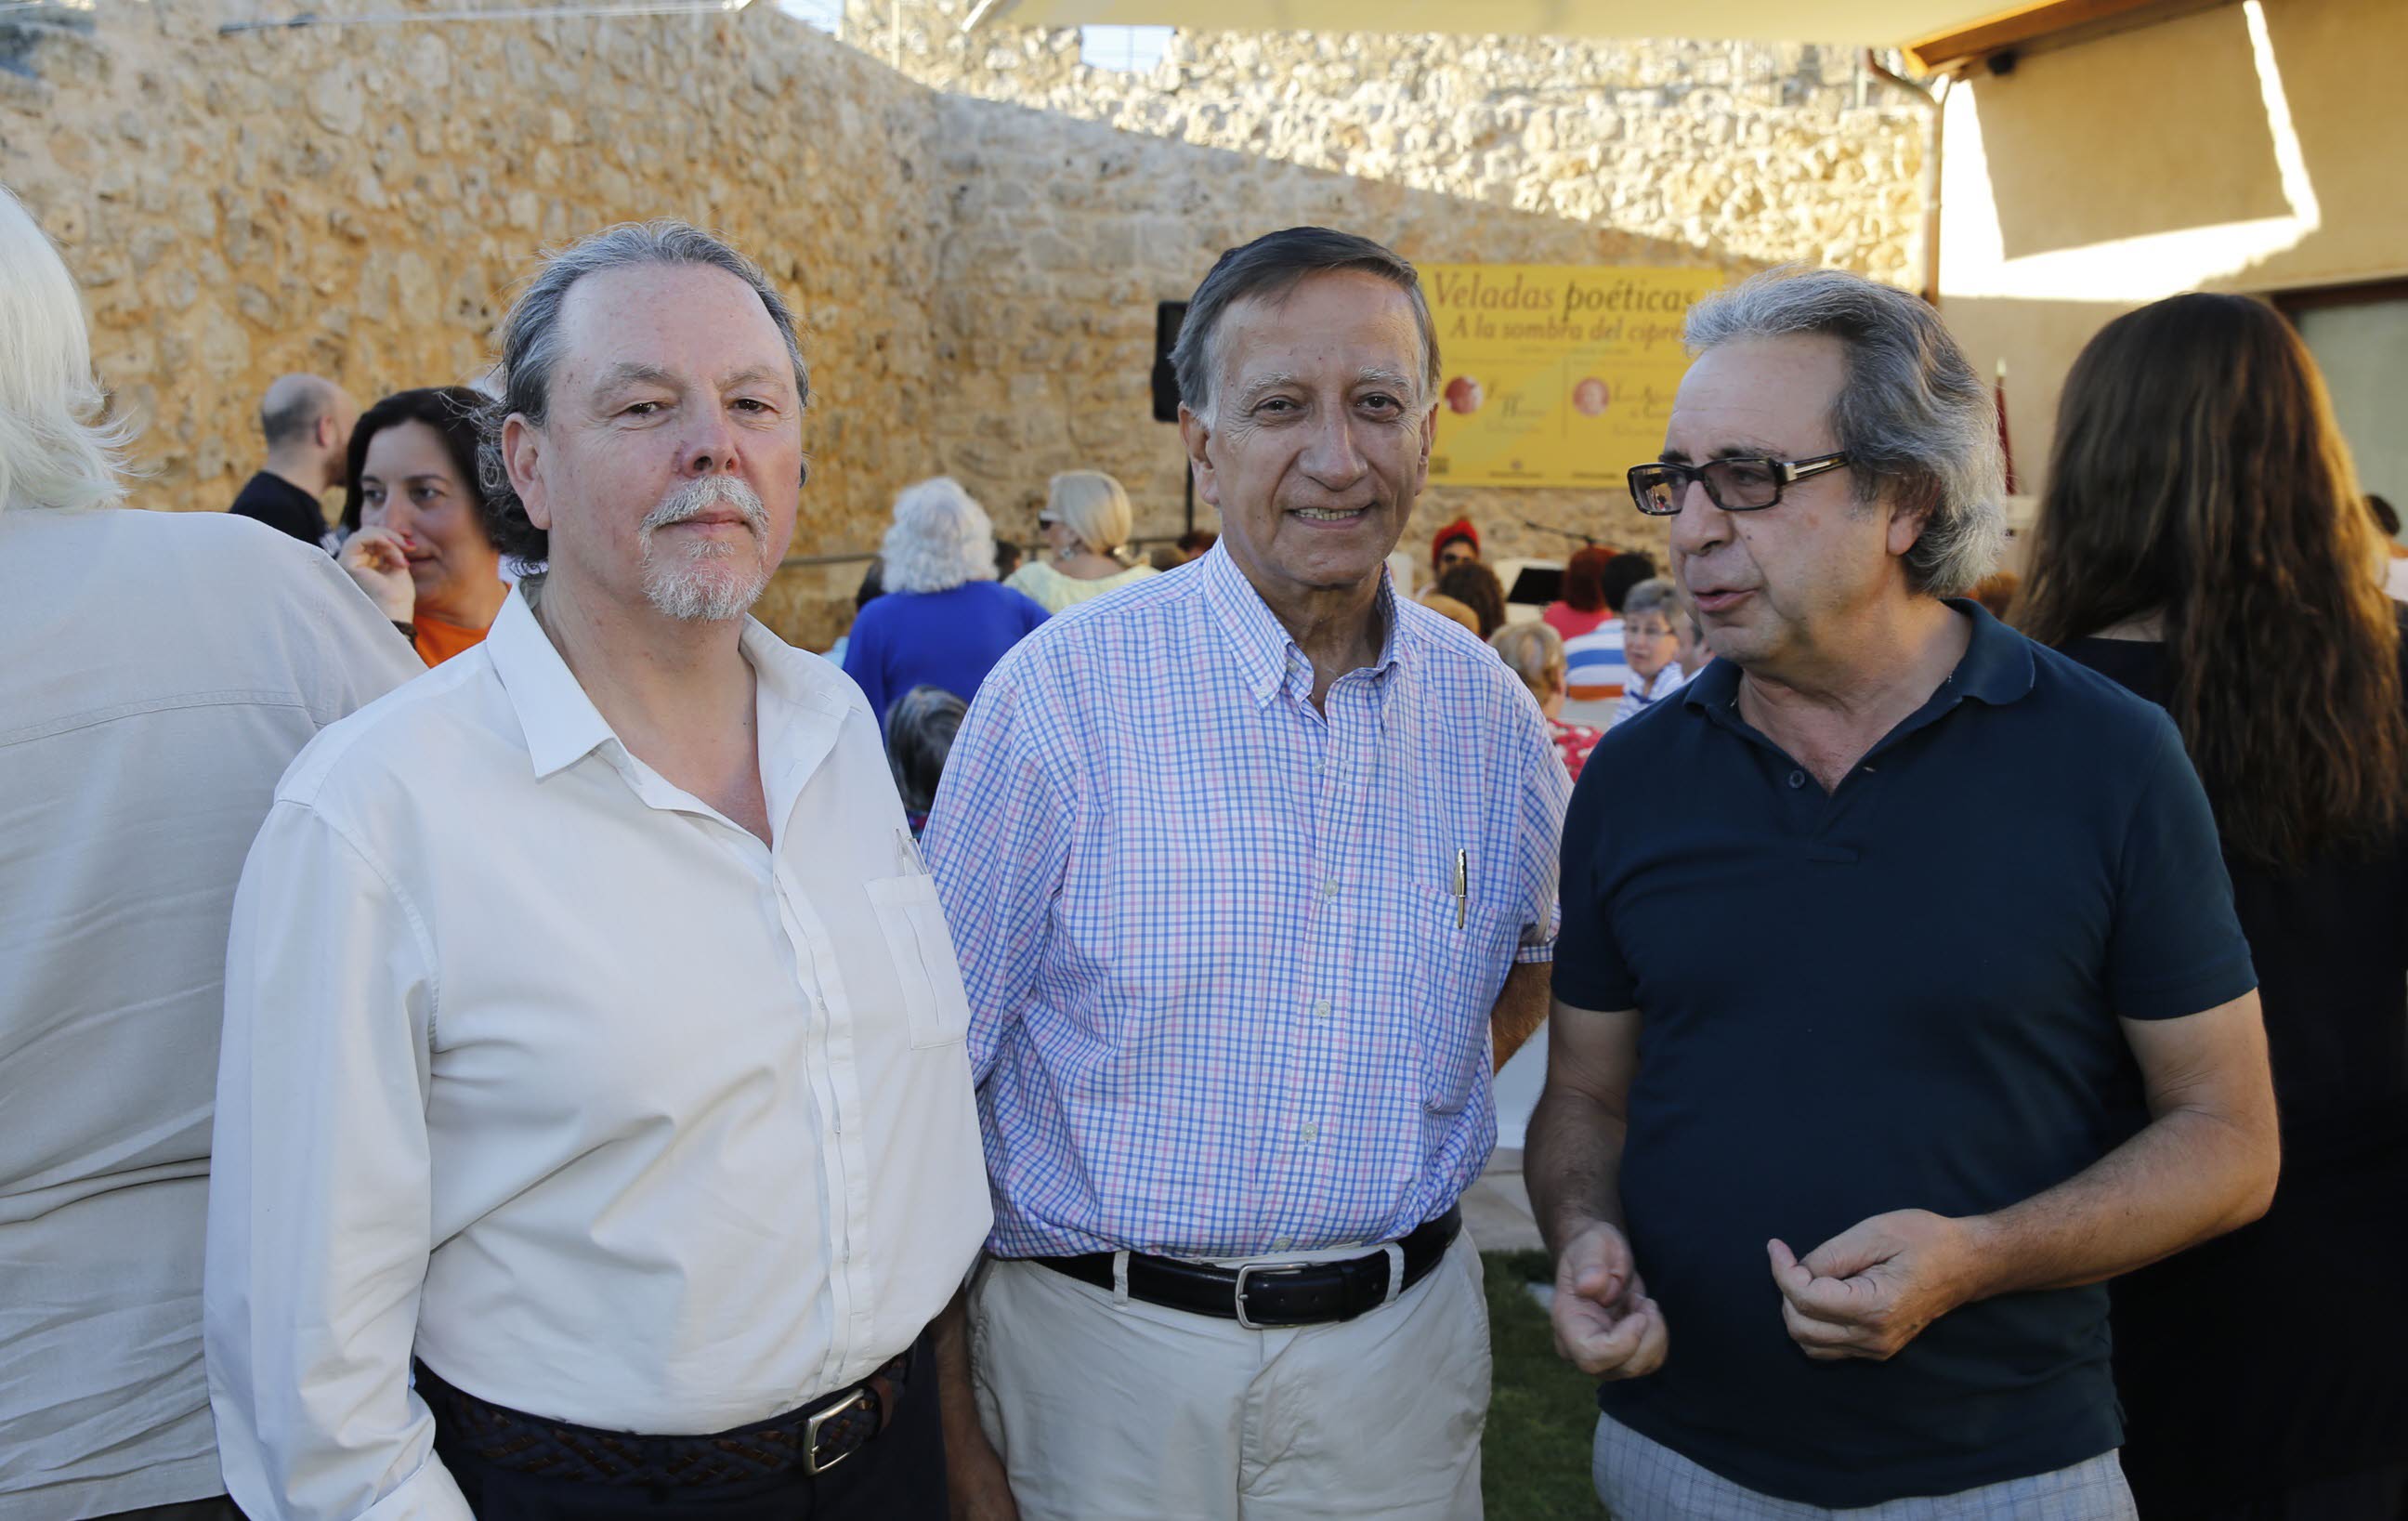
x=943 y=621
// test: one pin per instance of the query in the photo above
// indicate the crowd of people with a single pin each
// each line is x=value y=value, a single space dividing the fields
x=1029 y=1066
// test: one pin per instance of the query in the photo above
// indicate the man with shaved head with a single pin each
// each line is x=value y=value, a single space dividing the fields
x=307 y=421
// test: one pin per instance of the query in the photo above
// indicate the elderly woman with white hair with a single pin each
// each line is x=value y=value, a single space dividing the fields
x=166 y=668
x=1085 y=521
x=943 y=622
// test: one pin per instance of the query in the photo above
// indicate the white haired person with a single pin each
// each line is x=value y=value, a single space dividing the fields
x=943 y=622
x=167 y=666
x=1651 y=645
x=1085 y=522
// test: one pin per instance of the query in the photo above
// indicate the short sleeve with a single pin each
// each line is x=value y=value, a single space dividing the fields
x=1590 y=972
x=2175 y=944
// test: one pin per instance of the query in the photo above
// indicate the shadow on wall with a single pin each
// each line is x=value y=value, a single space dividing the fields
x=2183 y=143
x=2237 y=149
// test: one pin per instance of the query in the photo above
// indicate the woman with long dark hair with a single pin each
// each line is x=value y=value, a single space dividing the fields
x=2204 y=542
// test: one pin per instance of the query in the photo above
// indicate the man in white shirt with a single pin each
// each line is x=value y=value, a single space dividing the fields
x=593 y=1033
x=163 y=669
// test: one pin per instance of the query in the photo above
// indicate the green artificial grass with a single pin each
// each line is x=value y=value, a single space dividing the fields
x=1542 y=1414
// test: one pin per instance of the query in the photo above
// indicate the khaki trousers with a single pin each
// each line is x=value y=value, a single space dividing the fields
x=1107 y=1410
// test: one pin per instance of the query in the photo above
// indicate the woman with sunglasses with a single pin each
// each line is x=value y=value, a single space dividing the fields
x=2202 y=541
x=1085 y=519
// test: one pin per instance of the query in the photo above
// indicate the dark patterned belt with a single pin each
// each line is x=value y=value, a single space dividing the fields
x=814 y=1438
x=1267 y=1295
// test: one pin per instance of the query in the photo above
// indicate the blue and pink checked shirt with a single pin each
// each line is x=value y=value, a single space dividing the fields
x=1224 y=999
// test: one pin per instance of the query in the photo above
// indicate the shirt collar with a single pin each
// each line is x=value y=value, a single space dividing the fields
x=1268 y=656
x=1997 y=668
x=562 y=725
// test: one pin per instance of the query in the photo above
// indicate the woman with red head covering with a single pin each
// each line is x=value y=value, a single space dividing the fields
x=1455 y=544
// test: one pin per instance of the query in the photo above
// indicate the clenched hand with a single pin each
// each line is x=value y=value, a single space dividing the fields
x=1605 y=1324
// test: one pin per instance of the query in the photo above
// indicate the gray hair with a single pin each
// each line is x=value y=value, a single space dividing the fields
x=532 y=342
x=1911 y=411
x=920 y=730
x=940 y=538
x=55 y=450
x=1272 y=266
x=1653 y=596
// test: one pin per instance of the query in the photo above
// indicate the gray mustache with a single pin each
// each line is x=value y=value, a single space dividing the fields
x=709 y=493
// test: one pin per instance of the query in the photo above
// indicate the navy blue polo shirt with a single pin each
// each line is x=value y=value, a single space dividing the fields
x=1902 y=994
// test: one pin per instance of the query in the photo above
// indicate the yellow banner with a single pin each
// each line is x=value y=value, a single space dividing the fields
x=1555 y=375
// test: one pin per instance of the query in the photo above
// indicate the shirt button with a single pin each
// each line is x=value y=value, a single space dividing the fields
x=1330 y=888
x=1312 y=1131
x=1321 y=1009
x=1797 y=779
x=1280 y=1244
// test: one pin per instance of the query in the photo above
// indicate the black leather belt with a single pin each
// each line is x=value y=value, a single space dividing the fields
x=814 y=1438
x=1261 y=1295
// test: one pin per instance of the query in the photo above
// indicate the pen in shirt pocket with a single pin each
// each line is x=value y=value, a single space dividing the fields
x=1462 y=887
x=906 y=851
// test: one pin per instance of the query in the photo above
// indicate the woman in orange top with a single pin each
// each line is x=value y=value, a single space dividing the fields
x=417 y=518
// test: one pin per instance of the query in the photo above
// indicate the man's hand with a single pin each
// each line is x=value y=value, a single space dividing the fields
x=1872 y=1288
x=976 y=1487
x=1605 y=1324
x=377 y=559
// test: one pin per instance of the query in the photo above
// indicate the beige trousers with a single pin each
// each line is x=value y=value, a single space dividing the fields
x=1107 y=1410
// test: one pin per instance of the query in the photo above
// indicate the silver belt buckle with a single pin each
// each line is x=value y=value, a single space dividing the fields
x=1248 y=1271
x=811 y=1463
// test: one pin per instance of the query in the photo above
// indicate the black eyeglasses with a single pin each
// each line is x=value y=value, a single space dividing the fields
x=1735 y=485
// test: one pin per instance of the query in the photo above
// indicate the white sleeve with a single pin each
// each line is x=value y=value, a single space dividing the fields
x=319 y=1195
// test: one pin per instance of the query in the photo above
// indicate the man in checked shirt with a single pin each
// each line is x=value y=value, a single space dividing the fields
x=1235 y=952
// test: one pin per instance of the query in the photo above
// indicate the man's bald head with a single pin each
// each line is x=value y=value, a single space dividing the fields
x=307 y=421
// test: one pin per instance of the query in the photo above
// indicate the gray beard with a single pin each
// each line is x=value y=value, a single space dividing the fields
x=713 y=584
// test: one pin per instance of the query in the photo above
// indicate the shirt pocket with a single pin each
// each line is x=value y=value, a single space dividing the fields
x=1458 y=969
x=922 y=950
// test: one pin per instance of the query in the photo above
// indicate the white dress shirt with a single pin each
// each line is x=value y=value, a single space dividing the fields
x=538 y=1065
x=158 y=672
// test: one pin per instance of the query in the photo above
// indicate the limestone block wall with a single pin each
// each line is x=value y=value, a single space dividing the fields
x=975 y=238
x=358 y=201
x=1082 y=196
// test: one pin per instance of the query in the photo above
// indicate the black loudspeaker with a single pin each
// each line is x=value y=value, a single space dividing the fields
x=1168 y=316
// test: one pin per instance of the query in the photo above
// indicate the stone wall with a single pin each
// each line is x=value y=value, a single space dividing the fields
x=357 y=201
x=1084 y=196
x=976 y=243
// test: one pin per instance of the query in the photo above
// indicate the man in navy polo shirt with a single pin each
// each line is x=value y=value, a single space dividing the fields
x=1900 y=999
